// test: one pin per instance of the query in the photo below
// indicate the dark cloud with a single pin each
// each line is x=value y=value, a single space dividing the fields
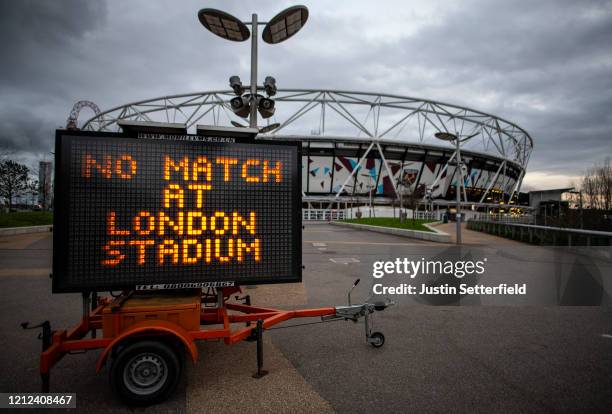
x=38 y=38
x=545 y=65
x=38 y=35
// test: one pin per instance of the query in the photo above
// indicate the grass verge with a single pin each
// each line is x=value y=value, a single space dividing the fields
x=26 y=218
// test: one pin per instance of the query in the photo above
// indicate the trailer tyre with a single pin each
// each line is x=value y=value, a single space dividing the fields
x=377 y=339
x=145 y=372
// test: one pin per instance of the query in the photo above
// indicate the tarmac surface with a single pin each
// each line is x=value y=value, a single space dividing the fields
x=435 y=359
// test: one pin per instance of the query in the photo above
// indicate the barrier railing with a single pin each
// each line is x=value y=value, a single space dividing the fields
x=504 y=218
x=310 y=214
x=544 y=235
x=425 y=215
x=313 y=214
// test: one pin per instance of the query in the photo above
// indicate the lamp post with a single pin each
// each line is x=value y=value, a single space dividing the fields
x=280 y=28
x=447 y=136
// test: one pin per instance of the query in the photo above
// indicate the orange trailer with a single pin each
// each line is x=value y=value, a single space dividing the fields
x=147 y=334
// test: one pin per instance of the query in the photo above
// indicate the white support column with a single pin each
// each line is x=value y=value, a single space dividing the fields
x=354 y=170
x=441 y=172
x=517 y=185
x=492 y=181
x=380 y=151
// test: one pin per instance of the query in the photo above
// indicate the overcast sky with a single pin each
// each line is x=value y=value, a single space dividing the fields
x=545 y=65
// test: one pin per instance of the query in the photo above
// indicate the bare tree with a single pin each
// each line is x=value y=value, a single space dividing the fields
x=588 y=188
x=32 y=189
x=604 y=183
x=14 y=179
x=408 y=196
x=596 y=186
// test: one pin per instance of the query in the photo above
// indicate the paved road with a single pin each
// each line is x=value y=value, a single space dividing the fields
x=436 y=359
x=441 y=359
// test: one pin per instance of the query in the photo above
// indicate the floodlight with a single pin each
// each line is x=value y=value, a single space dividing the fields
x=224 y=25
x=236 y=85
x=445 y=136
x=268 y=128
x=241 y=106
x=270 y=85
x=285 y=24
x=265 y=107
x=282 y=26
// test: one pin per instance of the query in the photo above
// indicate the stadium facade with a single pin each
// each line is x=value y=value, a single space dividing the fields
x=355 y=143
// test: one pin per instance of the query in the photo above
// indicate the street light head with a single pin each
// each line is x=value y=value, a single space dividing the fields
x=236 y=85
x=445 y=136
x=224 y=25
x=285 y=24
x=270 y=85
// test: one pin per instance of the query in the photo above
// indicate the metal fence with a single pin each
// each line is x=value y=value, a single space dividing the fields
x=543 y=235
x=504 y=218
x=311 y=214
x=426 y=215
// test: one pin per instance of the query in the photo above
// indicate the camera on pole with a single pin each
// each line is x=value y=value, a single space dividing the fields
x=270 y=86
x=236 y=85
x=265 y=107
x=241 y=104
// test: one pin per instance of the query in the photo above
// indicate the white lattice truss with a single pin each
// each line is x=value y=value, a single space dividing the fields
x=344 y=115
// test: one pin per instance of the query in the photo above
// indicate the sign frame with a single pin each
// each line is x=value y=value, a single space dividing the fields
x=62 y=199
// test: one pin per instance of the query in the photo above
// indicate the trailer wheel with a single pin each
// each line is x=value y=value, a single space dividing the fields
x=377 y=339
x=145 y=372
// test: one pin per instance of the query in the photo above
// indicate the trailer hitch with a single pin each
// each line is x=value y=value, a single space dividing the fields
x=365 y=310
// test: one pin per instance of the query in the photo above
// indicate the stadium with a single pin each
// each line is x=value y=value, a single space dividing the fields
x=360 y=147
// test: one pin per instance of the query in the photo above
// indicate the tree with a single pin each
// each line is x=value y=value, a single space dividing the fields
x=604 y=183
x=408 y=196
x=13 y=180
x=596 y=186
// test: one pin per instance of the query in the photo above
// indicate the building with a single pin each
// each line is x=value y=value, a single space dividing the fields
x=549 y=202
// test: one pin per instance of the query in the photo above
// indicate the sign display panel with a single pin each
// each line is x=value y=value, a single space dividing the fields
x=160 y=213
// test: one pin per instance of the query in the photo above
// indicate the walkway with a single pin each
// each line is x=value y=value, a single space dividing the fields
x=474 y=237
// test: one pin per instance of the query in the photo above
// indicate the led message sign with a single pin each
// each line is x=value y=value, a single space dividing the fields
x=138 y=213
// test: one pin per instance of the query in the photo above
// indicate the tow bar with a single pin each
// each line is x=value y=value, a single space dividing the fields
x=365 y=310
